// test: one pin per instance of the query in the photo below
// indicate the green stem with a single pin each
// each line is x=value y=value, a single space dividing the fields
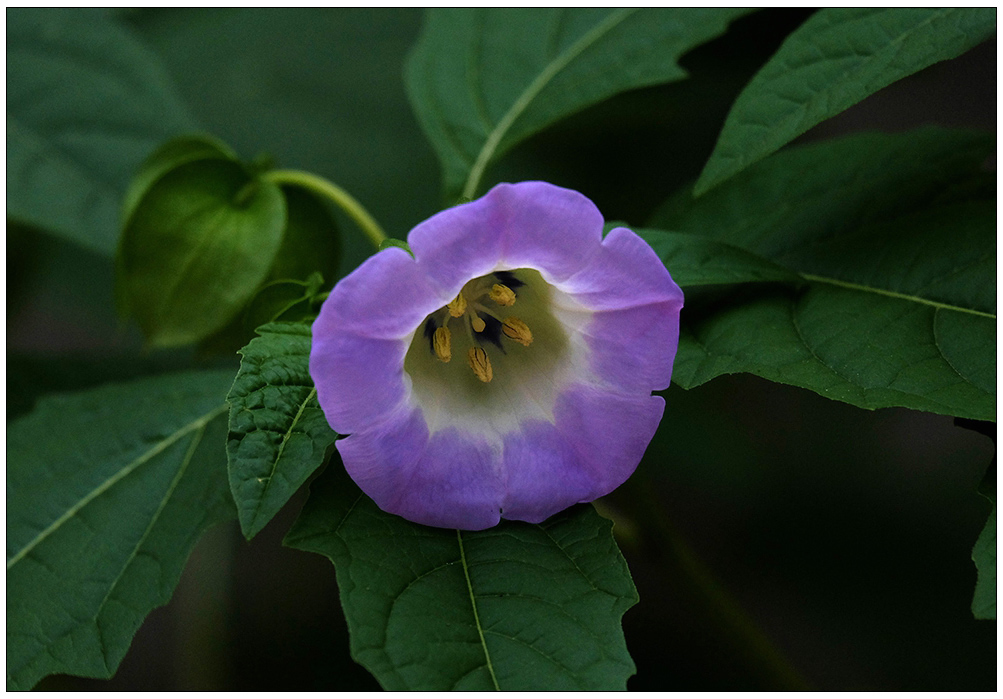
x=345 y=201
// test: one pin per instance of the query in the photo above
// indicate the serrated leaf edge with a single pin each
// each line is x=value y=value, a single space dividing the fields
x=278 y=457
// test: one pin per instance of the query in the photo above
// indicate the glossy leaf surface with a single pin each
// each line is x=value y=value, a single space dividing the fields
x=101 y=520
x=481 y=80
x=516 y=607
x=897 y=261
x=834 y=60
x=86 y=103
x=278 y=432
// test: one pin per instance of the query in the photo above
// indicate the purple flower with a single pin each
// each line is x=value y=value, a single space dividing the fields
x=506 y=369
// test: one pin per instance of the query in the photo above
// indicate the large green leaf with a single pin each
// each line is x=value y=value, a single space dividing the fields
x=481 y=80
x=836 y=59
x=698 y=261
x=197 y=245
x=515 y=607
x=896 y=305
x=278 y=432
x=86 y=103
x=108 y=491
x=984 y=555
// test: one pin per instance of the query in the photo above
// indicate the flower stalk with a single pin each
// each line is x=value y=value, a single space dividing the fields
x=342 y=199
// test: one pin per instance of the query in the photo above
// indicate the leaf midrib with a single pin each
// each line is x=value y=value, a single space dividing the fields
x=473 y=605
x=143 y=458
x=893 y=294
x=758 y=150
x=278 y=456
x=534 y=88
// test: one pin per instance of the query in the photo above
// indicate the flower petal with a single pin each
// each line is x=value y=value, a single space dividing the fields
x=386 y=297
x=381 y=459
x=549 y=228
x=596 y=443
x=625 y=273
x=543 y=474
x=608 y=431
x=458 y=244
x=446 y=480
x=359 y=380
x=455 y=484
x=633 y=348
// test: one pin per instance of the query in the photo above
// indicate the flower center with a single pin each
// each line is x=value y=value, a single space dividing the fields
x=479 y=313
x=510 y=345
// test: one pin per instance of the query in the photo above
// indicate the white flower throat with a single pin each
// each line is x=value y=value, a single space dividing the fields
x=481 y=311
x=495 y=352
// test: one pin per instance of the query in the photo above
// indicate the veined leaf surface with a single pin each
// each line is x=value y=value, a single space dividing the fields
x=984 y=555
x=278 y=432
x=108 y=490
x=86 y=103
x=515 y=607
x=834 y=60
x=483 y=79
x=893 y=238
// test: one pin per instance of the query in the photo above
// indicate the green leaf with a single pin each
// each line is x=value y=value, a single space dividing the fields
x=834 y=60
x=310 y=242
x=897 y=301
x=195 y=249
x=516 y=607
x=481 y=80
x=797 y=207
x=984 y=555
x=309 y=254
x=278 y=432
x=395 y=243
x=697 y=261
x=108 y=491
x=86 y=103
x=174 y=153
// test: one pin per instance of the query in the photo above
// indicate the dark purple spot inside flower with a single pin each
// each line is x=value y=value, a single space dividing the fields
x=492 y=331
x=509 y=280
x=429 y=332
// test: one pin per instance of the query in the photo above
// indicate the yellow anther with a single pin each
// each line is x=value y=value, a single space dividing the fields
x=458 y=306
x=477 y=323
x=478 y=360
x=502 y=295
x=441 y=344
x=517 y=330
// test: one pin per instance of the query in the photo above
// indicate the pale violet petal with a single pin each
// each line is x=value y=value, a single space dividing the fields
x=385 y=298
x=359 y=380
x=447 y=480
x=625 y=273
x=552 y=229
